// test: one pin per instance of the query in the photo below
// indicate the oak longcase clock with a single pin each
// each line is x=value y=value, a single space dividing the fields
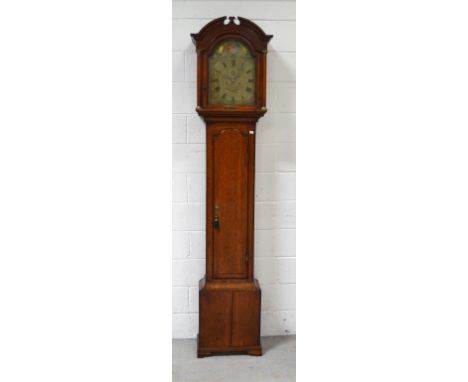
x=231 y=97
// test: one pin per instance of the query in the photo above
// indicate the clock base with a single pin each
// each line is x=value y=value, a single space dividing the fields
x=229 y=320
x=207 y=352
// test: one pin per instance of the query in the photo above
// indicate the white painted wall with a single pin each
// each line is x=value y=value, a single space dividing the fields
x=275 y=194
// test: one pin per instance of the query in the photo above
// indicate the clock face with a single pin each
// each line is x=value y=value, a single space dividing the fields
x=231 y=75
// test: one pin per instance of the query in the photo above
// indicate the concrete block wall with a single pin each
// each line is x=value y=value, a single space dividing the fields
x=275 y=193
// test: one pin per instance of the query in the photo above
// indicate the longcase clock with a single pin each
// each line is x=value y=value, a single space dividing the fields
x=231 y=97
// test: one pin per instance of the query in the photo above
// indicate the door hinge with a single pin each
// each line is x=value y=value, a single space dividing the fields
x=246 y=257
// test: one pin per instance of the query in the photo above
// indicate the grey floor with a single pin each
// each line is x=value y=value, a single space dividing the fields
x=277 y=364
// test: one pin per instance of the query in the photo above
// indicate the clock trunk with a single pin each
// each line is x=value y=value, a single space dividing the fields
x=230 y=178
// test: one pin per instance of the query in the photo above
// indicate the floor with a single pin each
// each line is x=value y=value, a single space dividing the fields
x=277 y=364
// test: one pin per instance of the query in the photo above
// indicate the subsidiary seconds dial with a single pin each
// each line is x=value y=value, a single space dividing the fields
x=231 y=75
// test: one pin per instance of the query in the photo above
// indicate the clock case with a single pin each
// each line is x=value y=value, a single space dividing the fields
x=229 y=295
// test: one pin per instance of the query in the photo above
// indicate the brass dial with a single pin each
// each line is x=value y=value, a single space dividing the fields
x=231 y=75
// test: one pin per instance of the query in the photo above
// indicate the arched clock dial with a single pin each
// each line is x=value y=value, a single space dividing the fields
x=231 y=75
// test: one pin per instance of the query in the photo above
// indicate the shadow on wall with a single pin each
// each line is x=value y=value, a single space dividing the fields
x=275 y=195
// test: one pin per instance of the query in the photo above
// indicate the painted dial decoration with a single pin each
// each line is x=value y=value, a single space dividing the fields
x=231 y=75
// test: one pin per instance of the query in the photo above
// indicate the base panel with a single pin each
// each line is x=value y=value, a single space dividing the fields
x=229 y=320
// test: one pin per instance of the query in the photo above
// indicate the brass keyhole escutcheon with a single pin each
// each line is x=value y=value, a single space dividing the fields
x=216 y=219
